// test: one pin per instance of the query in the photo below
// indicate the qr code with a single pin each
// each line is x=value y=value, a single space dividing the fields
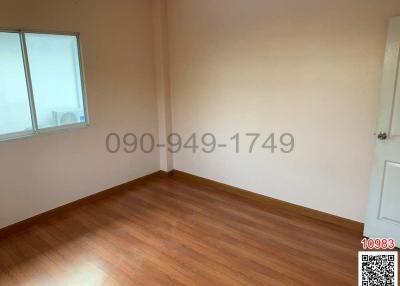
x=378 y=268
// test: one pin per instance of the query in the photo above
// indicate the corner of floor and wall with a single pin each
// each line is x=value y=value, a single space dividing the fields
x=239 y=68
x=225 y=68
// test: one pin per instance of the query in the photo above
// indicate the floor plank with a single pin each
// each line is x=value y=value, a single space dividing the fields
x=170 y=231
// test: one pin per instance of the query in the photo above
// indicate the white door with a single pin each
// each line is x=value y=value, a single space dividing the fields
x=383 y=218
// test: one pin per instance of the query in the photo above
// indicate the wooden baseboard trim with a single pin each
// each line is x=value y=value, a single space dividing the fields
x=22 y=225
x=271 y=202
x=254 y=197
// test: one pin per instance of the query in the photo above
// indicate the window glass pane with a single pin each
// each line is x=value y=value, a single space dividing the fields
x=15 y=114
x=56 y=79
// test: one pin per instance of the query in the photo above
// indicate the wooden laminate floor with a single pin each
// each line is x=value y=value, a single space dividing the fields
x=169 y=231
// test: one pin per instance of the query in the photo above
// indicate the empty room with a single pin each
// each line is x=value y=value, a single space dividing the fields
x=199 y=142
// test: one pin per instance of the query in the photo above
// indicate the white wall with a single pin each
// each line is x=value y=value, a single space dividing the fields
x=47 y=171
x=162 y=80
x=308 y=67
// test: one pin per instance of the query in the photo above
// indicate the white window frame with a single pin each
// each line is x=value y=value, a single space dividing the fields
x=35 y=129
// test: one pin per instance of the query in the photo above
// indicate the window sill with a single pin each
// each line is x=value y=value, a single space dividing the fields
x=46 y=131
